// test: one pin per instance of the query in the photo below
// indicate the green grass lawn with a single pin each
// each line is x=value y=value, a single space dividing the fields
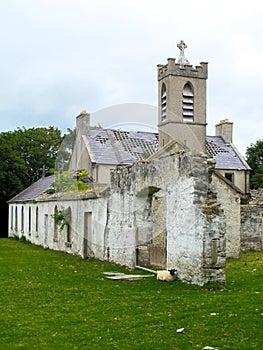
x=51 y=300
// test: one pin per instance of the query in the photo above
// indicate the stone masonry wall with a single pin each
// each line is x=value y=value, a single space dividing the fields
x=252 y=227
x=230 y=201
x=194 y=223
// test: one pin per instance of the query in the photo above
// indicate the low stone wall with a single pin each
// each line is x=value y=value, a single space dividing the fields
x=256 y=196
x=252 y=227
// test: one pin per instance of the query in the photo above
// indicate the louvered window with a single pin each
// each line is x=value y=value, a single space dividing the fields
x=188 y=103
x=163 y=102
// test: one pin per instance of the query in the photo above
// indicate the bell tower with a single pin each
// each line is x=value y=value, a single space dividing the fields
x=182 y=102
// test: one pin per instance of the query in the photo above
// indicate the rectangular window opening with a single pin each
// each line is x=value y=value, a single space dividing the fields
x=230 y=177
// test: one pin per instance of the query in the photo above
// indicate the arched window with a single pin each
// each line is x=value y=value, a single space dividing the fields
x=12 y=218
x=36 y=220
x=69 y=238
x=55 y=225
x=16 y=220
x=188 y=103
x=22 y=219
x=29 y=220
x=68 y=227
x=163 y=102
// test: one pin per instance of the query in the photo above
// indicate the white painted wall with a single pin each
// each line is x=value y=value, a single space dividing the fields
x=45 y=234
x=230 y=201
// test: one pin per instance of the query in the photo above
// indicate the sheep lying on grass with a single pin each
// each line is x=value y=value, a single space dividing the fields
x=166 y=275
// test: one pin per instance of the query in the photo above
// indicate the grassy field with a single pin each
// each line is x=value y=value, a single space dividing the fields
x=51 y=300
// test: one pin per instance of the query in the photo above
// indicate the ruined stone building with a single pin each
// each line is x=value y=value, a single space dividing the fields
x=169 y=199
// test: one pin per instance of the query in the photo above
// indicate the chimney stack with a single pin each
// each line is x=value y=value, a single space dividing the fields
x=83 y=122
x=225 y=130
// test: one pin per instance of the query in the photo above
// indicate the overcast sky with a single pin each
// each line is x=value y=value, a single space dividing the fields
x=59 y=57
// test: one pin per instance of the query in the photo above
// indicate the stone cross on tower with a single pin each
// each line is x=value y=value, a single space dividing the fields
x=182 y=59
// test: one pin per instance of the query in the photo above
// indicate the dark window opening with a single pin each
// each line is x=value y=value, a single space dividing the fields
x=16 y=219
x=68 y=228
x=22 y=219
x=36 y=220
x=229 y=177
x=55 y=225
x=12 y=218
x=29 y=220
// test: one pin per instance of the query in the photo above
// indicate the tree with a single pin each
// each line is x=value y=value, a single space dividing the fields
x=13 y=171
x=38 y=147
x=23 y=153
x=254 y=155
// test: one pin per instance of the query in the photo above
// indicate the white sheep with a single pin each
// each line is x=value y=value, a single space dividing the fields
x=166 y=275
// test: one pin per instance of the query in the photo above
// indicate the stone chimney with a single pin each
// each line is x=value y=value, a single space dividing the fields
x=83 y=122
x=225 y=130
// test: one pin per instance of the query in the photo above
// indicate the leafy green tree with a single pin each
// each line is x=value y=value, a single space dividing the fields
x=38 y=147
x=254 y=155
x=13 y=171
x=23 y=153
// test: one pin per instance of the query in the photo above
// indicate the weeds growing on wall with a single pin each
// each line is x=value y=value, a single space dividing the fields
x=62 y=217
x=70 y=181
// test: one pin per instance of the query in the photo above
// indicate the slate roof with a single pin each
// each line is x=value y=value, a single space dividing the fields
x=120 y=147
x=126 y=147
x=115 y=147
x=32 y=192
x=226 y=156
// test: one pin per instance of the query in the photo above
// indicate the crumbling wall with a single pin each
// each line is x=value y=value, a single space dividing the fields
x=196 y=238
x=120 y=238
x=166 y=207
x=230 y=201
x=193 y=228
